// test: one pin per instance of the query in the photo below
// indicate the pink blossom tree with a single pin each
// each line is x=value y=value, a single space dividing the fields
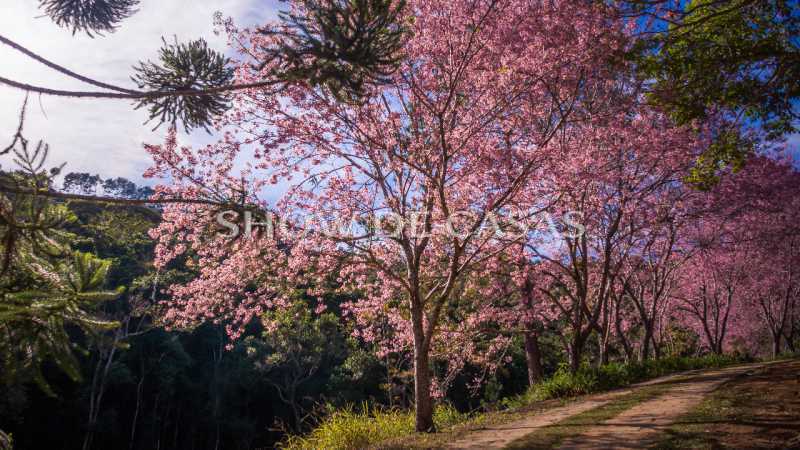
x=613 y=175
x=511 y=302
x=775 y=291
x=745 y=241
x=765 y=219
x=650 y=274
x=454 y=137
x=712 y=286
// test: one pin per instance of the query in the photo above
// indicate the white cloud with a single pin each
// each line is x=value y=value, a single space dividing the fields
x=100 y=136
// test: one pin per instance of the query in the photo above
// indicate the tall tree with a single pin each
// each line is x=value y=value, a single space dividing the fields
x=461 y=128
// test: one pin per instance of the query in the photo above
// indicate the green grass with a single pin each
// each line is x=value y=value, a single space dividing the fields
x=349 y=428
x=552 y=436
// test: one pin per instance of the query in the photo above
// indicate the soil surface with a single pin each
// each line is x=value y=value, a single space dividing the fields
x=759 y=411
x=638 y=427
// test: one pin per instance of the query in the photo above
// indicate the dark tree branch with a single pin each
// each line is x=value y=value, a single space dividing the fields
x=139 y=95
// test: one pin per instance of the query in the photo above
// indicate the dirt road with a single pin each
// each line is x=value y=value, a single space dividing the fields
x=634 y=428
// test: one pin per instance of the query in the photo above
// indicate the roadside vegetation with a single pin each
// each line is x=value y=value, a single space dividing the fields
x=370 y=427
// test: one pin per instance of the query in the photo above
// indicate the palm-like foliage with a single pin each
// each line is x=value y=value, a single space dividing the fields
x=89 y=16
x=341 y=45
x=185 y=67
x=29 y=223
x=47 y=291
x=35 y=324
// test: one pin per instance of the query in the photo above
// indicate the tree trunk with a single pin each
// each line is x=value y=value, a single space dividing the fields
x=644 y=352
x=298 y=416
x=656 y=348
x=135 y=420
x=423 y=402
x=98 y=387
x=776 y=344
x=177 y=427
x=604 y=338
x=533 y=357
x=604 y=346
x=789 y=338
x=623 y=340
x=575 y=353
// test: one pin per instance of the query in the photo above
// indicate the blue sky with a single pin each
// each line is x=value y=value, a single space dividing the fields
x=101 y=136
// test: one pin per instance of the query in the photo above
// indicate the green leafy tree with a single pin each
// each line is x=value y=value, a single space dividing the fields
x=733 y=61
x=296 y=345
x=741 y=56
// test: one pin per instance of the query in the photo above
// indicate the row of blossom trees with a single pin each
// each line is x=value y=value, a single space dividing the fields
x=508 y=176
x=741 y=282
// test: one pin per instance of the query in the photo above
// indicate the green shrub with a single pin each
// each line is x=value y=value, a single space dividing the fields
x=565 y=384
x=348 y=428
x=611 y=376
